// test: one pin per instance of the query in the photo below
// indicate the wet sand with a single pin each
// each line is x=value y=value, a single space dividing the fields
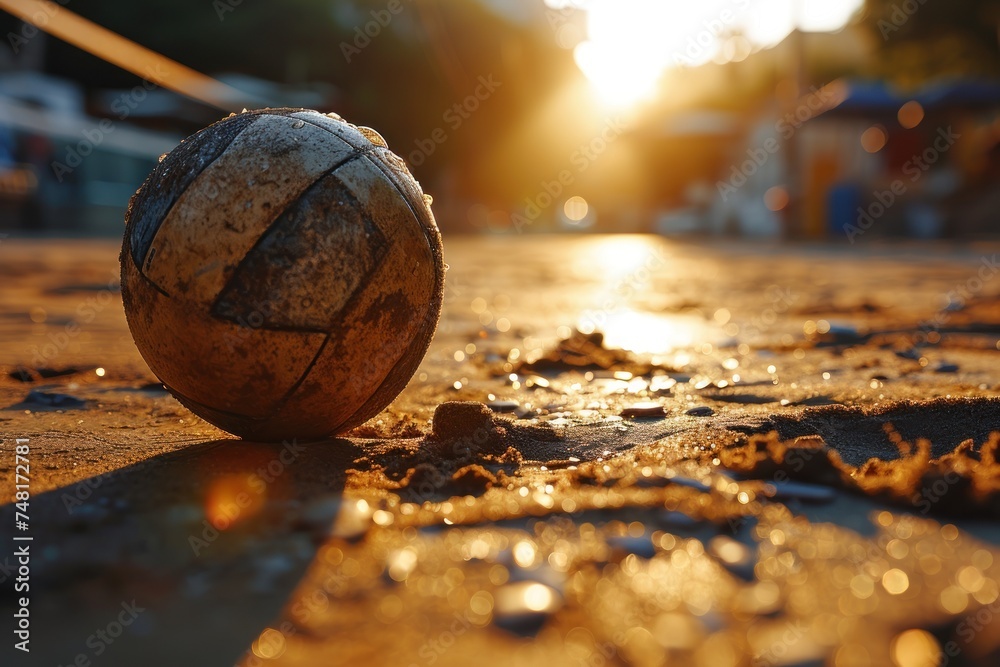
x=735 y=454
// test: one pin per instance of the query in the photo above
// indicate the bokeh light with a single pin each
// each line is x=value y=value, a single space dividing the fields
x=910 y=114
x=776 y=198
x=915 y=648
x=874 y=139
x=575 y=209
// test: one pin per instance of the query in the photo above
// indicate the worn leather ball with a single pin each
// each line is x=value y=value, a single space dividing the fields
x=282 y=274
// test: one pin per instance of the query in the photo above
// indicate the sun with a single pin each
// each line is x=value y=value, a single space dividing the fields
x=627 y=45
x=631 y=44
x=617 y=83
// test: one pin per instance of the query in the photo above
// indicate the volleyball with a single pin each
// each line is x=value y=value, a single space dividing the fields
x=282 y=274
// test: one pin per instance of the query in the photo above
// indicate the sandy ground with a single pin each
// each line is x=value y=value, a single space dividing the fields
x=741 y=454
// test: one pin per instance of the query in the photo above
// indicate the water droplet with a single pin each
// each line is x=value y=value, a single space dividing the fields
x=335 y=116
x=373 y=136
x=213 y=192
x=524 y=606
x=244 y=110
x=353 y=520
x=265 y=165
x=161 y=158
x=428 y=200
x=297 y=124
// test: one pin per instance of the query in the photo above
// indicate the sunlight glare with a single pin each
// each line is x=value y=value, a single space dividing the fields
x=644 y=332
x=576 y=209
x=632 y=43
x=621 y=258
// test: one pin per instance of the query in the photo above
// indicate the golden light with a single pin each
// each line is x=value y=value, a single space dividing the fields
x=915 y=648
x=525 y=597
x=776 y=198
x=647 y=333
x=873 y=139
x=618 y=84
x=576 y=209
x=910 y=114
x=895 y=581
x=524 y=553
x=232 y=499
x=269 y=645
x=630 y=44
x=538 y=597
x=621 y=257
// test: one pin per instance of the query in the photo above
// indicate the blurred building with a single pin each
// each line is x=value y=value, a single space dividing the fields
x=79 y=170
x=857 y=158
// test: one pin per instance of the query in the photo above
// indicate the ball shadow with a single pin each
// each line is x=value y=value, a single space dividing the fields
x=183 y=557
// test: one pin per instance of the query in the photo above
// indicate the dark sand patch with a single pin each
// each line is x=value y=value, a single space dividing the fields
x=858 y=433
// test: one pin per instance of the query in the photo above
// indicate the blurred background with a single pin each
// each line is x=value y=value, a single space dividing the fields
x=817 y=119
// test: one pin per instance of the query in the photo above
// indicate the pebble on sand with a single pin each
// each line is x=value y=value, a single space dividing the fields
x=644 y=410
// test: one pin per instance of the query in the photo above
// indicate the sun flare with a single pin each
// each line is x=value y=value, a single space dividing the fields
x=631 y=44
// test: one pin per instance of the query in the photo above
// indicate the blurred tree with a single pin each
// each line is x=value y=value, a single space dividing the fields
x=924 y=40
x=397 y=65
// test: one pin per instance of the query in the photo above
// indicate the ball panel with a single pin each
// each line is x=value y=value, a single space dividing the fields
x=247 y=370
x=400 y=375
x=342 y=129
x=393 y=166
x=414 y=353
x=153 y=201
x=233 y=202
x=395 y=169
x=391 y=318
x=308 y=264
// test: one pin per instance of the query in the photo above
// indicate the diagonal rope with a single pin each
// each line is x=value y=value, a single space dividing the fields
x=112 y=47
